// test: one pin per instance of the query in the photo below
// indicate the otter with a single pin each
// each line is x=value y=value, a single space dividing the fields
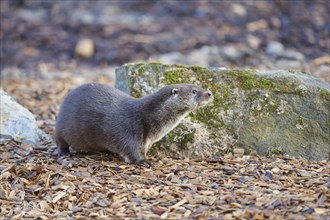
x=96 y=117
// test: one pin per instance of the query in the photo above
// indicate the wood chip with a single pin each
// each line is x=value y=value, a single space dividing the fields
x=58 y=196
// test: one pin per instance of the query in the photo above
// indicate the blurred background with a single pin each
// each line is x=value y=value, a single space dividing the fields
x=42 y=37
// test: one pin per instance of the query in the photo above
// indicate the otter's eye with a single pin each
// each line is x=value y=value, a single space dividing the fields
x=194 y=92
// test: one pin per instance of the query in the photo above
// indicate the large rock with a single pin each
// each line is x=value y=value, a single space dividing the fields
x=273 y=112
x=17 y=122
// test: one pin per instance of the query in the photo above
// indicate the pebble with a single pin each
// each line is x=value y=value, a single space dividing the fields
x=275 y=48
x=238 y=9
x=257 y=25
x=85 y=48
x=234 y=53
x=253 y=41
x=293 y=55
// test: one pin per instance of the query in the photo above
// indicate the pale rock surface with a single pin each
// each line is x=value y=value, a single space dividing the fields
x=17 y=122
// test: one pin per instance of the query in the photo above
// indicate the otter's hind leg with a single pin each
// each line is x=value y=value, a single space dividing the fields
x=62 y=145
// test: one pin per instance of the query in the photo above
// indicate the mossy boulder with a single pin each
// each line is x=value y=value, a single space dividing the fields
x=272 y=112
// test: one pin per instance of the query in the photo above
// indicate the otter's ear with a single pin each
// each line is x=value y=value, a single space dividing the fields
x=175 y=91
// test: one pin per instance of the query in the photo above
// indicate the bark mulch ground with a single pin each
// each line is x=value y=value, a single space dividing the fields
x=37 y=183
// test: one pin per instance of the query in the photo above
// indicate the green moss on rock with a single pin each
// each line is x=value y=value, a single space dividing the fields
x=277 y=151
x=198 y=69
x=325 y=94
x=186 y=139
x=175 y=76
x=248 y=80
x=301 y=122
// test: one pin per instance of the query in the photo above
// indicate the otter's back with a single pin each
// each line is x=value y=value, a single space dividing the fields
x=87 y=113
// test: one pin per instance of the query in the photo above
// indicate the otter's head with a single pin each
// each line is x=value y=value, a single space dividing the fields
x=191 y=96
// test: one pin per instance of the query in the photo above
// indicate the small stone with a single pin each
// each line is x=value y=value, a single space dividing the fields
x=275 y=48
x=257 y=25
x=322 y=60
x=232 y=53
x=293 y=55
x=238 y=9
x=276 y=22
x=253 y=41
x=85 y=48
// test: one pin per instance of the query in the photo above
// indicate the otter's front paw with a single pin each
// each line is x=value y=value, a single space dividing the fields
x=63 y=151
x=144 y=163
